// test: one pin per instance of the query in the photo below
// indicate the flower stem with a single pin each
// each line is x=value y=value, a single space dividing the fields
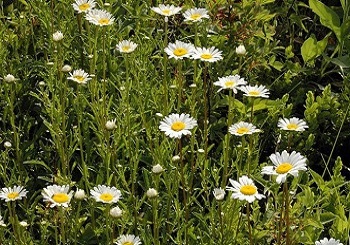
x=249 y=226
x=286 y=201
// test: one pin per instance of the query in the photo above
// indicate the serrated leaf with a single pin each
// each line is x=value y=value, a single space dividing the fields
x=314 y=223
x=318 y=179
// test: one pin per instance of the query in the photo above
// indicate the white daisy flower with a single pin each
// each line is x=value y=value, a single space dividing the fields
x=166 y=10
x=79 y=76
x=126 y=46
x=128 y=240
x=83 y=6
x=240 y=50
x=331 y=241
x=57 y=36
x=157 y=169
x=176 y=125
x=179 y=50
x=242 y=128
x=57 y=195
x=151 y=193
x=100 y=17
x=207 y=54
x=292 y=124
x=230 y=82
x=219 y=194
x=244 y=189
x=196 y=14
x=285 y=164
x=116 y=212
x=106 y=194
x=255 y=91
x=13 y=193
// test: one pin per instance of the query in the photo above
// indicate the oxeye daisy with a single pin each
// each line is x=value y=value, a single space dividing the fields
x=128 y=240
x=255 y=91
x=292 y=124
x=106 y=194
x=331 y=241
x=179 y=50
x=242 y=128
x=13 y=193
x=100 y=17
x=176 y=125
x=79 y=76
x=207 y=54
x=196 y=14
x=219 y=194
x=166 y=10
x=83 y=6
x=230 y=82
x=57 y=36
x=285 y=164
x=57 y=195
x=126 y=46
x=244 y=189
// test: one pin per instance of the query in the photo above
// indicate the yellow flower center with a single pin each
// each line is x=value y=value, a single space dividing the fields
x=106 y=197
x=206 y=56
x=254 y=93
x=128 y=243
x=103 y=21
x=178 y=126
x=126 y=48
x=84 y=6
x=12 y=195
x=292 y=126
x=229 y=83
x=195 y=16
x=166 y=11
x=284 y=168
x=180 y=51
x=60 y=197
x=79 y=78
x=248 y=190
x=242 y=130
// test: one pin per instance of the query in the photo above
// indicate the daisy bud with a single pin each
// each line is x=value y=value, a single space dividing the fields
x=219 y=194
x=116 y=212
x=159 y=114
x=23 y=223
x=200 y=151
x=79 y=194
x=151 y=193
x=175 y=158
x=9 y=78
x=240 y=50
x=157 y=169
x=57 y=36
x=110 y=124
x=7 y=144
x=66 y=68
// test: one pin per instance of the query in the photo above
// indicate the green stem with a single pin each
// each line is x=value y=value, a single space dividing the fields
x=182 y=177
x=249 y=226
x=165 y=64
x=108 y=225
x=62 y=223
x=180 y=81
x=279 y=237
x=286 y=194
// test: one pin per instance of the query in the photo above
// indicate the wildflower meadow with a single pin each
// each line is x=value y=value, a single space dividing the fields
x=185 y=122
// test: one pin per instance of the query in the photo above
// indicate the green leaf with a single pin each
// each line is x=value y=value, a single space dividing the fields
x=342 y=62
x=327 y=16
x=327 y=217
x=318 y=179
x=321 y=45
x=309 y=49
x=313 y=223
x=36 y=162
